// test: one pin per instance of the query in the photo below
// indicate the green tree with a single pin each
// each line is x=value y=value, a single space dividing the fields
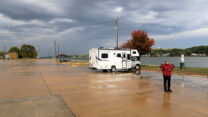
x=1 y=54
x=28 y=51
x=197 y=50
x=176 y=52
x=16 y=50
x=188 y=52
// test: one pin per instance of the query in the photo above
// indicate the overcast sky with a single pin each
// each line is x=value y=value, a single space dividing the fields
x=78 y=25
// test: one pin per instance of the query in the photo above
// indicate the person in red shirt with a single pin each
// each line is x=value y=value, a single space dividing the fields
x=167 y=69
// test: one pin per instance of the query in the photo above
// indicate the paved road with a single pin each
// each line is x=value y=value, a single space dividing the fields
x=93 y=94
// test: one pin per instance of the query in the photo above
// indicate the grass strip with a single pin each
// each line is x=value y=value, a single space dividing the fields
x=82 y=62
x=187 y=70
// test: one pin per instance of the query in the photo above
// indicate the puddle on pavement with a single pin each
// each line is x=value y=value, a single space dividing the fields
x=108 y=86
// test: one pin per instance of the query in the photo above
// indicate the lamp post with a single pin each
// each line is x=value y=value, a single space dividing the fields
x=182 y=64
x=55 y=49
x=116 y=19
x=38 y=52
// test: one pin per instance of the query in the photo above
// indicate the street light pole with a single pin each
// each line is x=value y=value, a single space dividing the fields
x=55 y=48
x=38 y=52
x=58 y=49
x=182 y=65
x=116 y=32
x=48 y=54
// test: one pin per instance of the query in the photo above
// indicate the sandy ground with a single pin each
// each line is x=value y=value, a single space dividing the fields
x=98 y=94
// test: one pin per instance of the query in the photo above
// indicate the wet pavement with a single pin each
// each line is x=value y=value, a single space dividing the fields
x=38 y=106
x=93 y=94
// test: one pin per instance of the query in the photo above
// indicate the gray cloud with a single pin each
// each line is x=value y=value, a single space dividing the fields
x=79 y=25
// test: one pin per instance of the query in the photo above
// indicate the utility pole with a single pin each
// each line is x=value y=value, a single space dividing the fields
x=55 y=48
x=58 y=49
x=48 y=53
x=4 y=50
x=38 y=51
x=116 y=32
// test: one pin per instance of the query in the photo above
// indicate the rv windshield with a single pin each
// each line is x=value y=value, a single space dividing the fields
x=135 y=58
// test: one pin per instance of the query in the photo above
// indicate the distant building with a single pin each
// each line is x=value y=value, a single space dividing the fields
x=1 y=55
x=62 y=55
x=193 y=54
x=202 y=54
x=13 y=55
x=166 y=54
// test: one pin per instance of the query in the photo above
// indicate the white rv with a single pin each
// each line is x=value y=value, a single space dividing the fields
x=113 y=59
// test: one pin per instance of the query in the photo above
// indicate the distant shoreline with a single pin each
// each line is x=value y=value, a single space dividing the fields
x=173 y=56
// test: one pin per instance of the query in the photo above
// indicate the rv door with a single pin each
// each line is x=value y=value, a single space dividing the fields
x=124 y=60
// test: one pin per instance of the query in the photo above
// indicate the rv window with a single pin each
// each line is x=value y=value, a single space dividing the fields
x=128 y=56
x=134 y=52
x=118 y=55
x=104 y=55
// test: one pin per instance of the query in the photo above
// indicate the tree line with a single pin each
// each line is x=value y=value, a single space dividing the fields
x=25 y=51
x=143 y=43
x=196 y=50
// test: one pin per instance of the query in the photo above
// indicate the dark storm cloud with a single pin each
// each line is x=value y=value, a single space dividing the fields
x=18 y=9
x=79 y=25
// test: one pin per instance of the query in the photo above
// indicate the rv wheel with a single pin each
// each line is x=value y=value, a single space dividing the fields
x=137 y=67
x=113 y=69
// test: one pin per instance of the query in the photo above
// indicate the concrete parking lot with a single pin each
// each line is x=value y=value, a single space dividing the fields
x=100 y=94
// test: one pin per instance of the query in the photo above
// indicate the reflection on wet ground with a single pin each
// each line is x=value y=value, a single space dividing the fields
x=95 y=94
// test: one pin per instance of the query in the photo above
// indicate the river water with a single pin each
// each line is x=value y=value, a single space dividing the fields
x=189 y=61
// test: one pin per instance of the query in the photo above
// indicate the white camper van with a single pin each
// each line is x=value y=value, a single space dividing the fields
x=113 y=59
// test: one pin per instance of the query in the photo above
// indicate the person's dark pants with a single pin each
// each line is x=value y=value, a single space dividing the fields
x=167 y=82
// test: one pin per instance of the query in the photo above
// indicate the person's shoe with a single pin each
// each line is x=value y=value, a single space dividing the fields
x=165 y=90
x=169 y=90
